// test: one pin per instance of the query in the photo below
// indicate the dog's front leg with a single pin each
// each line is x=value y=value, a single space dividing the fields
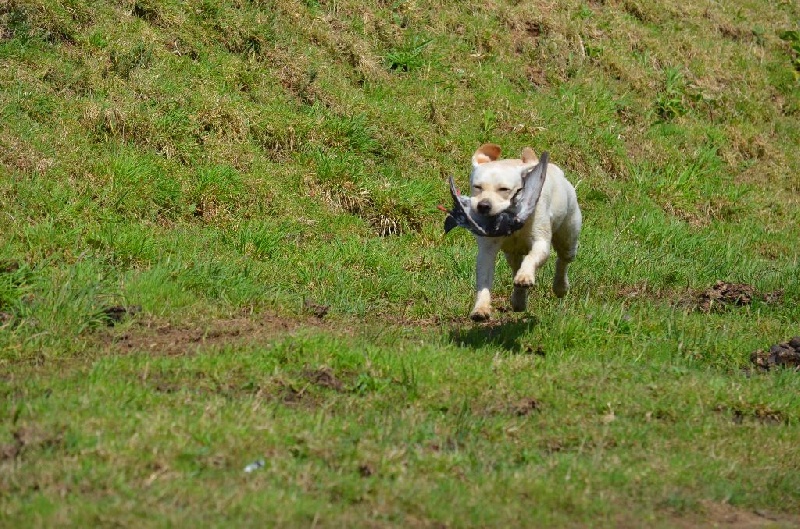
x=519 y=296
x=526 y=275
x=541 y=235
x=487 y=255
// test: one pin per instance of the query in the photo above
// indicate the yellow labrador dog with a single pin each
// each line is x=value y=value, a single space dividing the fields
x=556 y=220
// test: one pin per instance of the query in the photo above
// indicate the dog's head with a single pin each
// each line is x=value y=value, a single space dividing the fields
x=494 y=182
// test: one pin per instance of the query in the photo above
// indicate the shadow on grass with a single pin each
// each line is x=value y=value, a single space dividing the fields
x=507 y=333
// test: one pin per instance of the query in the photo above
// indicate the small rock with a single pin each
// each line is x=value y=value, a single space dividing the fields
x=255 y=465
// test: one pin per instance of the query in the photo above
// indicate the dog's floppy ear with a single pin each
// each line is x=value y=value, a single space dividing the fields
x=528 y=156
x=488 y=152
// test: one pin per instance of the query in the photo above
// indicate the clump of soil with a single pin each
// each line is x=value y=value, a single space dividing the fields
x=526 y=406
x=318 y=310
x=9 y=266
x=779 y=355
x=289 y=394
x=117 y=313
x=723 y=295
x=324 y=378
x=366 y=470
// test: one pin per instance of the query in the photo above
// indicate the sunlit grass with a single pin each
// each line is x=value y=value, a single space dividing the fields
x=220 y=167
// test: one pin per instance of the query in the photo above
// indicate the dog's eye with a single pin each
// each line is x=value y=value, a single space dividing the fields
x=504 y=190
x=478 y=188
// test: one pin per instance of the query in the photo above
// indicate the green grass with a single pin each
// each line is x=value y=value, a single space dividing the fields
x=221 y=163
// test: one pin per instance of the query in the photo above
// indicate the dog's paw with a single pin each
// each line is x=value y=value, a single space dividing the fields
x=519 y=300
x=480 y=314
x=523 y=280
x=560 y=288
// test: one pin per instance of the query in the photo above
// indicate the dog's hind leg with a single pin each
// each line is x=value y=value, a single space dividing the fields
x=565 y=242
x=519 y=296
x=561 y=280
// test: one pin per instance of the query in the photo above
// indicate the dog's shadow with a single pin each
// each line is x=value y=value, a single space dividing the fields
x=507 y=333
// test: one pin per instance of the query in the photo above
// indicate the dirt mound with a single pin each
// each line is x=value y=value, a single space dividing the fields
x=723 y=295
x=779 y=355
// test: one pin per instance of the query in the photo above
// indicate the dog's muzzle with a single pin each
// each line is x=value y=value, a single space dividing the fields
x=507 y=221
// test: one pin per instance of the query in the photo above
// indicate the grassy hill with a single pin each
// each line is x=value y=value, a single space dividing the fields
x=219 y=244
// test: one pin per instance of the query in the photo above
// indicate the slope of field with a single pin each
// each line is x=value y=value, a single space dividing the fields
x=219 y=244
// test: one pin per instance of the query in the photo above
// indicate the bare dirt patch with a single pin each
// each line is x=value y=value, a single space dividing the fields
x=723 y=294
x=645 y=291
x=518 y=407
x=324 y=378
x=176 y=339
x=525 y=406
x=743 y=414
x=27 y=438
x=306 y=388
x=300 y=393
x=317 y=309
x=537 y=76
x=714 y=514
x=575 y=443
